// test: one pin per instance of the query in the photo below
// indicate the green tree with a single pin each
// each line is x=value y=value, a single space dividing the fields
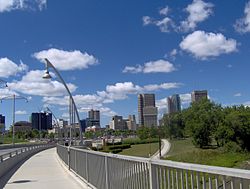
x=201 y=119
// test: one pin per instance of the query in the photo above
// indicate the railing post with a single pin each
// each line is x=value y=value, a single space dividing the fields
x=87 y=171
x=152 y=176
x=69 y=157
x=106 y=172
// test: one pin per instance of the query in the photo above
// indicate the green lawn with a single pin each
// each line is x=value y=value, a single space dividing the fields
x=141 y=150
x=185 y=151
x=8 y=140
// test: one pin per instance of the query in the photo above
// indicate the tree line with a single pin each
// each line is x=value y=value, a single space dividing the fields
x=208 y=123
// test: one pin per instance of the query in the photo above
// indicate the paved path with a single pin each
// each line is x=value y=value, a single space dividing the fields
x=164 y=149
x=43 y=171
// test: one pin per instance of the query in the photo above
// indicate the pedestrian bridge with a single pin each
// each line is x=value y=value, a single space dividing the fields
x=70 y=167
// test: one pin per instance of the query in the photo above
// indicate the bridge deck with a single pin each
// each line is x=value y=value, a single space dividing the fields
x=44 y=171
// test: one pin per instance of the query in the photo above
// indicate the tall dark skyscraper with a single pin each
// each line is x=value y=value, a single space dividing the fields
x=2 y=123
x=198 y=95
x=41 y=120
x=147 y=112
x=174 y=104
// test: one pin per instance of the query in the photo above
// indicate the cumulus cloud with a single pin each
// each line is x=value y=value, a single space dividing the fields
x=10 y=5
x=84 y=103
x=67 y=60
x=164 y=24
x=164 y=11
x=9 y=68
x=4 y=92
x=147 y=20
x=158 y=66
x=198 y=11
x=204 y=45
x=33 y=84
x=120 y=91
x=242 y=25
x=21 y=112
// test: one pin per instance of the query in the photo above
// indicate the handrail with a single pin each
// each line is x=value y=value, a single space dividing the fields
x=119 y=171
x=233 y=172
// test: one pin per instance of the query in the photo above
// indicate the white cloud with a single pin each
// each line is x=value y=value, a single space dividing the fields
x=158 y=66
x=33 y=84
x=162 y=105
x=147 y=20
x=237 y=94
x=67 y=60
x=4 y=92
x=9 y=5
x=173 y=52
x=165 y=24
x=164 y=11
x=204 y=45
x=185 y=98
x=164 y=86
x=9 y=68
x=131 y=69
x=198 y=11
x=242 y=25
x=21 y=112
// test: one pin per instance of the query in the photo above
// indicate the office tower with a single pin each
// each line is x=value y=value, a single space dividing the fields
x=62 y=123
x=147 y=112
x=41 y=121
x=93 y=118
x=198 y=95
x=2 y=123
x=174 y=104
x=131 y=123
x=118 y=123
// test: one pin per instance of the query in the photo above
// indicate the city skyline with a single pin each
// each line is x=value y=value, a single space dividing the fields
x=107 y=56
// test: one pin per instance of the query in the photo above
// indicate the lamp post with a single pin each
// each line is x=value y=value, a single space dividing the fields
x=57 y=123
x=14 y=97
x=48 y=76
x=3 y=84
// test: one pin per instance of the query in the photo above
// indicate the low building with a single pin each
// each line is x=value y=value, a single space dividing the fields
x=23 y=126
x=118 y=123
x=131 y=123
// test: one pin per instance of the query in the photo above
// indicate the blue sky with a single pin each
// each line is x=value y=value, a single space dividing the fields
x=109 y=51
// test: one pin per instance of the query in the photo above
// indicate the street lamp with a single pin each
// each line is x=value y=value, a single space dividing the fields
x=3 y=84
x=72 y=102
x=13 y=97
x=57 y=123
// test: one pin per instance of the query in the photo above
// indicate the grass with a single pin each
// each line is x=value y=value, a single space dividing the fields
x=8 y=140
x=185 y=151
x=141 y=150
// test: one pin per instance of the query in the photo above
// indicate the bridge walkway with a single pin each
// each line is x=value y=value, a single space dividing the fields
x=44 y=171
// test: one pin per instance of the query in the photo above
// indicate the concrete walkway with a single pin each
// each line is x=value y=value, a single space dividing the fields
x=164 y=149
x=44 y=171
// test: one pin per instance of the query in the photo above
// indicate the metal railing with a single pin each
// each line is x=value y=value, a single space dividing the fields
x=13 y=153
x=111 y=171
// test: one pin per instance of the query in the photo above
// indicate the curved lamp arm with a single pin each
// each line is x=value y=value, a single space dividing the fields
x=47 y=76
